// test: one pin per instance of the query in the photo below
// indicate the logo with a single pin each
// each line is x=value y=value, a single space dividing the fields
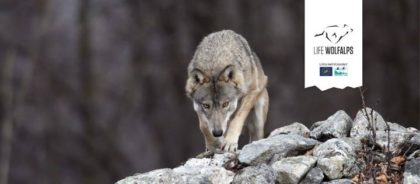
x=335 y=33
x=325 y=71
x=340 y=71
x=333 y=43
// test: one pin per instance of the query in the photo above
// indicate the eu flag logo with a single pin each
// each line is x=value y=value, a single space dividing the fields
x=325 y=71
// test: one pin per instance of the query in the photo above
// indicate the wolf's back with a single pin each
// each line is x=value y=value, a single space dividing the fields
x=221 y=49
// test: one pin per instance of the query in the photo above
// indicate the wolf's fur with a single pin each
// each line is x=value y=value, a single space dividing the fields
x=224 y=70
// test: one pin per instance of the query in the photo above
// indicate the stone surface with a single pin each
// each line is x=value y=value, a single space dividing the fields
x=412 y=130
x=355 y=143
x=314 y=176
x=336 y=159
x=294 y=128
x=152 y=177
x=396 y=140
x=337 y=125
x=361 y=123
x=293 y=169
x=261 y=174
x=399 y=135
x=195 y=170
x=276 y=159
x=397 y=127
x=203 y=174
x=340 y=181
x=221 y=159
x=262 y=151
x=415 y=139
x=412 y=171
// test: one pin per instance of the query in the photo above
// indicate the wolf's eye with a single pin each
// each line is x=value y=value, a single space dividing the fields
x=205 y=106
x=225 y=104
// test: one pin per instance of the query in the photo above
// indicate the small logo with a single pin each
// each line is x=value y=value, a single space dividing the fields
x=340 y=71
x=335 y=33
x=325 y=71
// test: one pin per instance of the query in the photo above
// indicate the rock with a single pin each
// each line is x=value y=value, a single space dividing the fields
x=415 y=139
x=192 y=162
x=206 y=170
x=217 y=160
x=262 y=151
x=195 y=170
x=412 y=171
x=353 y=142
x=413 y=145
x=336 y=159
x=415 y=154
x=286 y=155
x=337 y=125
x=340 y=181
x=398 y=134
x=397 y=127
x=316 y=124
x=333 y=167
x=360 y=124
x=333 y=146
x=396 y=140
x=200 y=174
x=293 y=169
x=314 y=176
x=294 y=128
x=221 y=159
x=412 y=130
x=153 y=177
x=261 y=174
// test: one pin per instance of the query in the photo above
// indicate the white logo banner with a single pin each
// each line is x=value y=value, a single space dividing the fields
x=333 y=43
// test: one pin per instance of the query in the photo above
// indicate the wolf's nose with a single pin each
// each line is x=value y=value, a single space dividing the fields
x=217 y=133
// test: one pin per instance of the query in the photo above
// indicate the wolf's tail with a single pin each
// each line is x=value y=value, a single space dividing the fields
x=320 y=34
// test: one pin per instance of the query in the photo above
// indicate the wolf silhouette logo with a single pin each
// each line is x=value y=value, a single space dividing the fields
x=335 y=33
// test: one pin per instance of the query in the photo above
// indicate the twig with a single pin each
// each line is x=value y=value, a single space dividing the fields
x=409 y=148
x=372 y=128
x=369 y=116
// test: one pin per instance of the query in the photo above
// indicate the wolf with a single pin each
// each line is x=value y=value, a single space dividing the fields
x=227 y=86
x=335 y=33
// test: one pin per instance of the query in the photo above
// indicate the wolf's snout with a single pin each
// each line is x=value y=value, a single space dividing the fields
x=217 y=133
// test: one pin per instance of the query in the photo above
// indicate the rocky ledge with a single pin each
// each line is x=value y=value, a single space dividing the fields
x=337 y=150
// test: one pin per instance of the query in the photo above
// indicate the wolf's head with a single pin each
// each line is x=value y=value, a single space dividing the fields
x=216 y=98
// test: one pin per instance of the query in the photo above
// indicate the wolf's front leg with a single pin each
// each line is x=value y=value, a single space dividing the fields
x=257 y=117
x=237 y=123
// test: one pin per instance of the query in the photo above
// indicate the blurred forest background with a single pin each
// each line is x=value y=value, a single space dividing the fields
x=93 y=90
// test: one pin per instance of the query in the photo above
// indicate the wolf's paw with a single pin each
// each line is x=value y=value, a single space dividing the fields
x=230 y=146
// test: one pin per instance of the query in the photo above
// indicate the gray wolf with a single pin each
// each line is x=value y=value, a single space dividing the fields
x=335 y=33
x=227 y=86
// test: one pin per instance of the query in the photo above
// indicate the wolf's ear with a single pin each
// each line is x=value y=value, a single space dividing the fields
x=231 y=75
x=199 y=77
x=227 y=74
x=195 y=79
